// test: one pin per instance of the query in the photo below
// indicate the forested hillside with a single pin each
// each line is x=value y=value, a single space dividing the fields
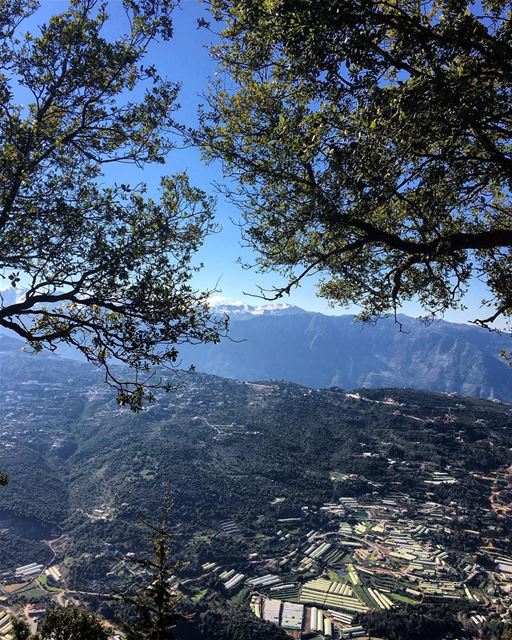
x=251 y=466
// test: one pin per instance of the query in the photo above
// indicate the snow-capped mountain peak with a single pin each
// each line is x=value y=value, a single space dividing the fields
x=11 y=295
x=242 y=310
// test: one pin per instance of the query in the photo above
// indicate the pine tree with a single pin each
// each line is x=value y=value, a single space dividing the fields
x=156 y=605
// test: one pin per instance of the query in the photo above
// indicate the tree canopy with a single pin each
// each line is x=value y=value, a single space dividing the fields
x=370 y=142
x=64 y=624
x=20 y=629
x=72 y=624
x=107 y=269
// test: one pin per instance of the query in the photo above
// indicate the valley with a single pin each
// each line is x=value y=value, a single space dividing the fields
x=297 y=512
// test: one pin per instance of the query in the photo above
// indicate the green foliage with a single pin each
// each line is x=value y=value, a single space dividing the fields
x=108 y=268
x=236 y=623
x=413 y=623
x=156 y=605
x=64 y=624
x=14 y=549
x=370 y=142
x=20 y=629
x=72 y=624
x=495 y=629
x=36 y=491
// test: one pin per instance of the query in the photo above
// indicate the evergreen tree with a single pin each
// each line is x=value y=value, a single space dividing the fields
x=156 y=605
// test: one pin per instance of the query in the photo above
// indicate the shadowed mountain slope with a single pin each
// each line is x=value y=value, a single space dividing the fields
x=321 y=351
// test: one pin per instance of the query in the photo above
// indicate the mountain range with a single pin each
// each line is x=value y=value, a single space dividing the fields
x=288 y=343
x=283 y=342
x=262 y=475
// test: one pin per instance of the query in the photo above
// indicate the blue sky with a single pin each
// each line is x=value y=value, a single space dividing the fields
x=186 y=59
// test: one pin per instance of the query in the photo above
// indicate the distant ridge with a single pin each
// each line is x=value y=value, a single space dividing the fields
x=288 y=343
x=284 y=342
x=9 y=344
